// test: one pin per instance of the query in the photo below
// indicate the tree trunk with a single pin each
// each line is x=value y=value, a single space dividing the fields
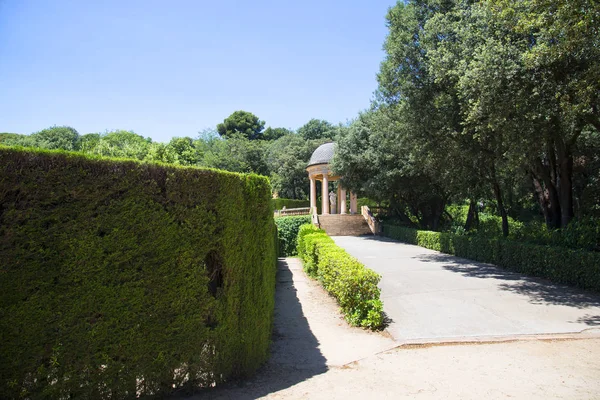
x=542 y=196
x=498 y=193
x=472 y=216
x=551 y=193
x=565 y=160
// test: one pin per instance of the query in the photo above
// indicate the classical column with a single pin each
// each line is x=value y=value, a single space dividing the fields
x=343 y=207
x=338 y=207
x=313 y=193
x=325 y=195
x=353 y=203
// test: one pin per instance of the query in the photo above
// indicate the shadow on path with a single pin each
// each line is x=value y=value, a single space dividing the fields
x=295 y=354
x=539 y=291
x=591 y=320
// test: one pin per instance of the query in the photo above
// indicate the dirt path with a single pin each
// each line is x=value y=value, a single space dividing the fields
x=316 y=355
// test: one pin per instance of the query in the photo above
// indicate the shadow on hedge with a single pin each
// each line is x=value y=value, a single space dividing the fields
x=295 y=354
x=539 y=291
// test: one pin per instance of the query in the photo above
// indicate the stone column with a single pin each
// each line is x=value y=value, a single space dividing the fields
x=313 y=193
x=353 y=203
x=325 y=195
x=343 y=207
x=338 y=209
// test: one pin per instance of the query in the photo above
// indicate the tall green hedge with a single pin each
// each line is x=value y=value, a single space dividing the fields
x=278 y=204
x=120 y=279
x=572 y=267
x=353 y=285
x=287 y=228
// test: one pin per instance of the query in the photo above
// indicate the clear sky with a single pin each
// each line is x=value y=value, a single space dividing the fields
x=173 y=68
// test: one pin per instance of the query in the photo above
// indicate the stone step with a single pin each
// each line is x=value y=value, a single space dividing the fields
x=344 y=225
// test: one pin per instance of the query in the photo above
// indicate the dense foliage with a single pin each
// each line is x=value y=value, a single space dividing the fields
x=574 y=267
x=490 y=101
x=242 y=123
x=124 y=279
x=279 y=203
x=280 y=153
x=352 y=284
x=287 y=229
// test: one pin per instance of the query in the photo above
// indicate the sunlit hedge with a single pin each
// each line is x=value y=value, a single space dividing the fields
x=573 y=267
x=352 y=284
x=287 y=228
x=120 y=279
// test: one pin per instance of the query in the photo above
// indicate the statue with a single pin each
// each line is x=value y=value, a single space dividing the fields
x=333 y=202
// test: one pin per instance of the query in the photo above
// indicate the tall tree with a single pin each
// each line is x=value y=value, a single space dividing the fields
x=288 y=157
x=316 y=129
x=242 y=123
x=275 y=133
x=57 y=137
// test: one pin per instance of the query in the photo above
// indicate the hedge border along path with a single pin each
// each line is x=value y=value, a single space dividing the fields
x=120 y=279
x=353 y=285
x=561 y=265
x=287 y=228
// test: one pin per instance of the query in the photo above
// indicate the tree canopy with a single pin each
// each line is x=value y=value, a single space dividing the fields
x=492 y=99
x=242 y=123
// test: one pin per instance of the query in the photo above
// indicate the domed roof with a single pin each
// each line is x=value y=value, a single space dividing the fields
x=323 y=154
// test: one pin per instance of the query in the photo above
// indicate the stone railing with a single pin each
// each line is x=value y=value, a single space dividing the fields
x=287 y=212
x=374 y=225
x=315 y=216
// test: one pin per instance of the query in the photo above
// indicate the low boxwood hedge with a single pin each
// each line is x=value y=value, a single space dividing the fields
x=562 y=265
x=120 y=279
x=278 y=204
x=287 y=229
x=352 y=284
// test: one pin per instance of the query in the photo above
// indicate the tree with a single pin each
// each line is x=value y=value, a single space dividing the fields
x=241 y=123
x=377 y=158
x=316 y=129
x=119 y=143
x=559 y=57
x=16 y=139
x=184 y=151
x=288 y=158
x=275 y=133
x=503 y=89
x=57 y=137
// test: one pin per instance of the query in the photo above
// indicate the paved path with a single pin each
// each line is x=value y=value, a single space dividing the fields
x=431 y=296
x=316 y=355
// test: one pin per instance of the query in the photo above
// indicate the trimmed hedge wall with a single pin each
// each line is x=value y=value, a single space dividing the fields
x=352 y=284
x=572 y=267
x=121 y=279
x=278 y=204
x=287 y=228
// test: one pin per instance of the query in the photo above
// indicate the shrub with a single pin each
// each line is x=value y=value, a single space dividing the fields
x=562 y=265
x=287 y=228
x=278 y=204
x=352 y=284
x=122 y=279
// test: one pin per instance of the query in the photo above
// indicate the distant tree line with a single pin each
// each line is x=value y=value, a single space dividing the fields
x=239 y=144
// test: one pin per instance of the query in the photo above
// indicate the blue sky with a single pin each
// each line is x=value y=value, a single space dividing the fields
x=173 y=68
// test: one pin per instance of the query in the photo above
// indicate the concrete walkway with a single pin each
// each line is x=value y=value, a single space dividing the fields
x=434 y=297
x=316 y=355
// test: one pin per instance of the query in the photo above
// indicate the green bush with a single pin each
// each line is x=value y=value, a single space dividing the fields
x=278 y=204
x=287 y=229
x=562 y=265
x=352 y=284
x=121 y=279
